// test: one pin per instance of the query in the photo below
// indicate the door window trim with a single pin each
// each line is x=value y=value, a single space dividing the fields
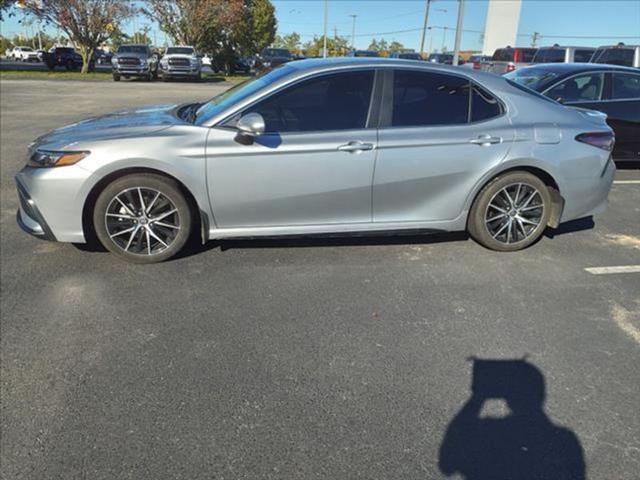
x=372 y=113
x=387 y=101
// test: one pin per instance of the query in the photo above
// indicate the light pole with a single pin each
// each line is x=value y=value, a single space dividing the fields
x=424 y=27
x=353 y=32
x=326 y=18
x=444 y=38
x=456 y=47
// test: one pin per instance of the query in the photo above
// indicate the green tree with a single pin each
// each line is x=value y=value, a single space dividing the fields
x=263 y=25
x=87 y=23
x=290 y=41
x=336 y=46
x=396 y=46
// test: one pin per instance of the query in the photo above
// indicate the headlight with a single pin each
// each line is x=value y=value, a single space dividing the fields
x=47 y=158
x=114 y=61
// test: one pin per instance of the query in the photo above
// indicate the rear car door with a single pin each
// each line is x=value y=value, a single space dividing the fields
x=439 y=133
x=312 y=166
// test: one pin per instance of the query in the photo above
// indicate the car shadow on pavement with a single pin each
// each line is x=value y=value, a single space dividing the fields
x=522 y=443
x=578 y=225
x=194 y=248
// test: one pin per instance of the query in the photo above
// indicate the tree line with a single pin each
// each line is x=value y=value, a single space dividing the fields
x=222 y=28
x=336 y=45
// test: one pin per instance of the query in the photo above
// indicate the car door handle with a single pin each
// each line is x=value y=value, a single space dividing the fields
x=485 y=140
x=355 y=147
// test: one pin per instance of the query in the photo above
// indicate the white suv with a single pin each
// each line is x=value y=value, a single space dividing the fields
x=24 y=54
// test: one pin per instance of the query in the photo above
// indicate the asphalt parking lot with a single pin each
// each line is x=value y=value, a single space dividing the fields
x=310 y=358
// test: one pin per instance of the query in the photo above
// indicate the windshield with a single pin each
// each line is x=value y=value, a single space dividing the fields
x=179 y=51
x=534 y=77
x=238 y=93
x=133 y=49
x=27 y=49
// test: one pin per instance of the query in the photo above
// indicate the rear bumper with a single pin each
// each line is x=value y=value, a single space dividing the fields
x=588 y=196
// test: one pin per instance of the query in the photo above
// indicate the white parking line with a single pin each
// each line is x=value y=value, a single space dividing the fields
x=626 y=182
x=610 y=270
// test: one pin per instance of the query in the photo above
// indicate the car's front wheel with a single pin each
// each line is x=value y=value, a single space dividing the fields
x=143 y=218
x=511 y=212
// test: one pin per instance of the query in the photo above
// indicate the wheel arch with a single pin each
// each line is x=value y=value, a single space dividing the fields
x=200 y=216
x=557 y=201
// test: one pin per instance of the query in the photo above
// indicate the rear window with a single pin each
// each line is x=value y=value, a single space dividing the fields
x=527 y=54
x=617 y=56
x=549 y=55
x=532 y=77
x=522 y=88
x=582 y=55
x=503 y=55
x=276 y=52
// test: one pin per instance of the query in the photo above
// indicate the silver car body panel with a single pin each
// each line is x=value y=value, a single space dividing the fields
x=300 y=183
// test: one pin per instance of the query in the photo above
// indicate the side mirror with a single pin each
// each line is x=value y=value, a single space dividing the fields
x=249 y=127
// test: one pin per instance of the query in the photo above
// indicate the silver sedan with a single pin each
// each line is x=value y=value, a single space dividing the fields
x=313 y=147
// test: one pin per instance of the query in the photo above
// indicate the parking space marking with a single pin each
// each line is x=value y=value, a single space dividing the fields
x=610 y=270
x=624 y=320
x=626 y=182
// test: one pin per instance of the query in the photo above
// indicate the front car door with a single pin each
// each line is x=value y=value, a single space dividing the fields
x=313 y=165
x=439 y=133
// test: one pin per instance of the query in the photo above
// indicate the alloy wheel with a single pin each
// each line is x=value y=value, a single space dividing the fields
x=514 y=213
x=142 y=220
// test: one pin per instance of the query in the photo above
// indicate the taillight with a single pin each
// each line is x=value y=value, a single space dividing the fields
x=476 y=65
x=516 y=55
x=510 y=67
x=603 y=140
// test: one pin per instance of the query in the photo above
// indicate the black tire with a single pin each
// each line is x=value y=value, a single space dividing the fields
x=520 y=235
x=149 y=182
x=70 y=65
x=148 y=77
x=165 y=78
x=116 y=77
x=198 y=77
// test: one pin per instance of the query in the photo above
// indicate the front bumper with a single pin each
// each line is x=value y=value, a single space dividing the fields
x=132 y=70
x=52 y=201
x=180 y=72
x=29 y=217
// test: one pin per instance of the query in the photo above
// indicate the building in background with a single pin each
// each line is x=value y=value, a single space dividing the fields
x=501 y=27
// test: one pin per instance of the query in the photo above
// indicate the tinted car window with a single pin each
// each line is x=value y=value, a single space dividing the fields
x=625 y=86
x=527 y=54
x=483 y=105
x=421 y=98
x=503 y=55
x=331 y=102
x=582 y=55
x=555 y=56
x=581 y=88
x=596 y=55
x=617 y=56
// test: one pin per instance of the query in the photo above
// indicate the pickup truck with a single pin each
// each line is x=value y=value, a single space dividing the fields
x=180 y=62
x=508 y=59
x=134 y=61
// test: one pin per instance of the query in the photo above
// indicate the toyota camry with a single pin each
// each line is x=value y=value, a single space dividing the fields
x=316 y=147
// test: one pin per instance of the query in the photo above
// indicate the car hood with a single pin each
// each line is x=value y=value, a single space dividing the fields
x=121 y=124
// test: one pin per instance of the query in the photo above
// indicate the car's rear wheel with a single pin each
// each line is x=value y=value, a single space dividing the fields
x=116 y=77
x=511 y=212
x=143 y=218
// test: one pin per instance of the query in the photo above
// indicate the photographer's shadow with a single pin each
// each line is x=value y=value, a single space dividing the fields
x=521 y=445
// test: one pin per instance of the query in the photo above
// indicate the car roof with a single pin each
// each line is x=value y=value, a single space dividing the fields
x=328 y=64
x=549 y=47
x=566 y=68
